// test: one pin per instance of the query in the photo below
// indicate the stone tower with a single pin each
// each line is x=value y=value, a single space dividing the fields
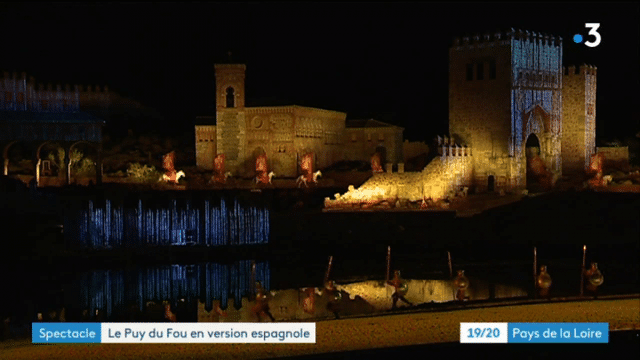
x=579 y=118
x=230 y=114
x=505 y=90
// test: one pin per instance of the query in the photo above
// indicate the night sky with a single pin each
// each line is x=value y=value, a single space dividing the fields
x=387 y=61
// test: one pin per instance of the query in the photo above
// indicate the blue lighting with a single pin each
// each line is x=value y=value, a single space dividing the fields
x=111 y=290
x=113 y=225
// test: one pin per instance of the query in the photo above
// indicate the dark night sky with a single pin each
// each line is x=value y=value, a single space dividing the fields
x=371 y=60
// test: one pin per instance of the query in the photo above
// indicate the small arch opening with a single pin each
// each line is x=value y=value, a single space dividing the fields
x=231 y=97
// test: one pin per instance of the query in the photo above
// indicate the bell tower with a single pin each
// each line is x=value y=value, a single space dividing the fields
x=230 y=114
x=230 y=86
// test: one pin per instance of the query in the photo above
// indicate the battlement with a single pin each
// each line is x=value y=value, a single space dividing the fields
x=504 y=38
x=448 y=148
x=22 y=93
x=583 y=69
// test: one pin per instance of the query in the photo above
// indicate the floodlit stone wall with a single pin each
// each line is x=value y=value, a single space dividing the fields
x=205 y=146
x=578 y=118
x=443 y=176
x=615 y=157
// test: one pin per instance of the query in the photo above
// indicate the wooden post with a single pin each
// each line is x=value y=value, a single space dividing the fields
x=253 y=279
x=450 y=265
x=584 y=257
x=388 y=261
x=535 y=272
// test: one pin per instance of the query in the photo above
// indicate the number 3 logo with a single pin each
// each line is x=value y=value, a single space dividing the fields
x=593 y=32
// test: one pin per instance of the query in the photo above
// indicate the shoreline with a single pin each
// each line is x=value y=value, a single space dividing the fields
x=332 y=336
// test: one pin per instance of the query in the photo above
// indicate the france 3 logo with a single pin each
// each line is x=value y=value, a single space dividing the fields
x=577 y=38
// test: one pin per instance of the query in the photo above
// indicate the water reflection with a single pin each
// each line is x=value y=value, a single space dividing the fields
x=116 y=292
x=113 y=223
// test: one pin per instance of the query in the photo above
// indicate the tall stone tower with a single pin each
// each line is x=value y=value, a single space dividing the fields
x=505 y=90
x=230 y=114
x=579 y=118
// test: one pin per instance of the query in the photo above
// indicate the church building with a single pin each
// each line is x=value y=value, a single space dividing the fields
x=284 y=133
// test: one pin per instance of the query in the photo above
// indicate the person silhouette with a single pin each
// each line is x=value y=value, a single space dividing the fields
x=262 y=305
x=400 y=289
x=333 y=298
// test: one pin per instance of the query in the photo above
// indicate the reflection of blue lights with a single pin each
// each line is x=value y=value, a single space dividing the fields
x=109 y=290
x=178 y=223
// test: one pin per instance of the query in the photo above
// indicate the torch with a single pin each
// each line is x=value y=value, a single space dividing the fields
x=326 y=275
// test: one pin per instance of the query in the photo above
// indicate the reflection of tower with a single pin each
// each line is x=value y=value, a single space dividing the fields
x=231 y=135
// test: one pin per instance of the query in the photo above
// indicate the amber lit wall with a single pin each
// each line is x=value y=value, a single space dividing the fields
x=578 y=122
x=479 y=106
x=362 y=143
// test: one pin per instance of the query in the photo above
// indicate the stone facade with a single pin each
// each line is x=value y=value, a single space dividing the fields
x=445 y=175
x=578 y=117
x=615 y=157
x=507 y=92
x=362 y=138
x=283 y=133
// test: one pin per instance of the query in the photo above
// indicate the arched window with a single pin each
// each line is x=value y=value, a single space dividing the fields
x=230 y=97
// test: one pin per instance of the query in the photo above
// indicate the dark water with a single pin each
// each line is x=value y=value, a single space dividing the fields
x=291 y=246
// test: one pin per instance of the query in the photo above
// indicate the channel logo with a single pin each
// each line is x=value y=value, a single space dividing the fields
x=578 y=38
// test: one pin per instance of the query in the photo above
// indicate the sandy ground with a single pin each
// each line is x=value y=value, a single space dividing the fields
x=350 y=334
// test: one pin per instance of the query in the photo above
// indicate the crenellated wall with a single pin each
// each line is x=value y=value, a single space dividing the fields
x=19 y=93
x=445 y=174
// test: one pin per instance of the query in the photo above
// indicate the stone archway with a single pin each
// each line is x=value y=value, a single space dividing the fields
x=38 y=159
x=5 y=157
x=533 y=159
x=383 y=154
x=491 y=183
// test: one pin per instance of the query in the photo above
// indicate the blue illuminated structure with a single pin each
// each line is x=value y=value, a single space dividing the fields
x=115 y=223
x=112 y=290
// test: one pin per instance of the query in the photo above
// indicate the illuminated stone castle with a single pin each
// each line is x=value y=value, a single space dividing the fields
x=510 y=99
x=284 y=133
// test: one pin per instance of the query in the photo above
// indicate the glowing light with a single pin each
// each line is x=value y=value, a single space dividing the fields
x=176 y=224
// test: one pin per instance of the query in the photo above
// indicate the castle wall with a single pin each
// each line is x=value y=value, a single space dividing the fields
x=615 y=157
x=442 y=176
x=18 y=93
x=578 y=124
x=205 y=146
x=361 y=143
x=479 y=107
x=503 y=88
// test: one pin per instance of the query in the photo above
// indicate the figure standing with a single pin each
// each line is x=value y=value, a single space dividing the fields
x=400 y=289
x=594 y=279
x=544 y=282
x=461 y=283
x=333 y=298
x=262 y=305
